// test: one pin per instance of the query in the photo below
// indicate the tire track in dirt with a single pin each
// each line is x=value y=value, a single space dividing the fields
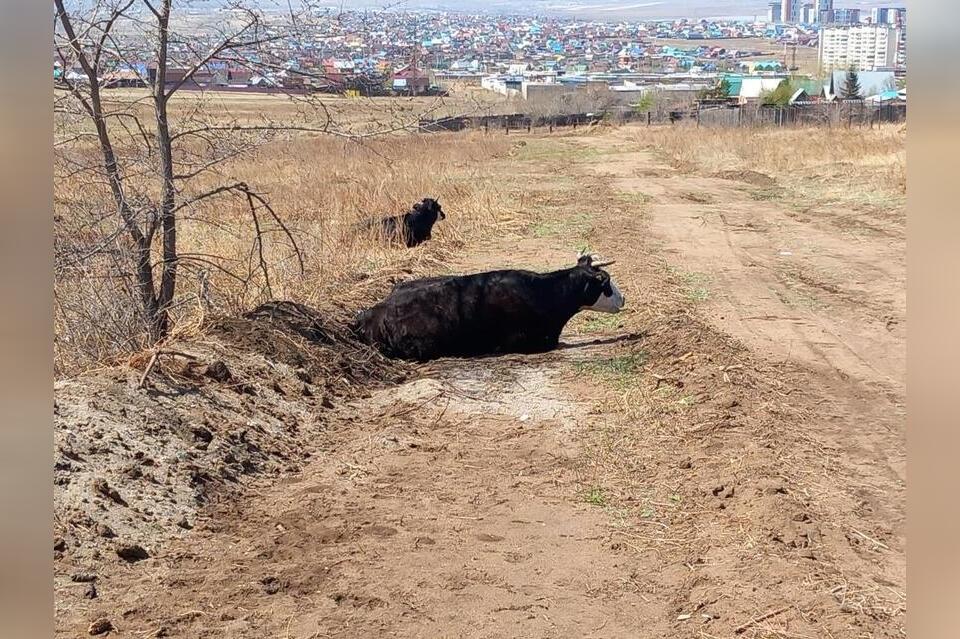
x=830 y=413
x=796 y=286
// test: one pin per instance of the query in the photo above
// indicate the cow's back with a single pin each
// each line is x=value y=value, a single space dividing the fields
x=459 y=316
x=416 y=321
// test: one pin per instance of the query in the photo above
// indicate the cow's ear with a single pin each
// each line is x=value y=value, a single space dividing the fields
x=584 y=260
x=417 y=205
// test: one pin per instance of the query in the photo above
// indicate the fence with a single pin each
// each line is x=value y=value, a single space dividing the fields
x=831 y=114
x=507 y=122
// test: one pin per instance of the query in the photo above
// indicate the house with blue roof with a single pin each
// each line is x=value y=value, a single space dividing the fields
x=871 y=83
x=891 y=95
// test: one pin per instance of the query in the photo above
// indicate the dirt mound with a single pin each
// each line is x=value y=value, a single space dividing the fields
x=139 y=454
x=278 y=330
x=750 y=177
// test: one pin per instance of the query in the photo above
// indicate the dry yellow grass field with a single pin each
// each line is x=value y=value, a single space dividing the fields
x=348 y=114
x=854 y=166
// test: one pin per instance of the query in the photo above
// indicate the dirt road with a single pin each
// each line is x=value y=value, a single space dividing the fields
x=723 y=459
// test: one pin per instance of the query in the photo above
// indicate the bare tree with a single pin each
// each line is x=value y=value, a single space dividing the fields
x=145 y=160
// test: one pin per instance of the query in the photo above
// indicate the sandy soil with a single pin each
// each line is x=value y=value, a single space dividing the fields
x=723 y=459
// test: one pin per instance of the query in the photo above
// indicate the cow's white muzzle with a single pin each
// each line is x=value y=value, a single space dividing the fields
x=608 y=303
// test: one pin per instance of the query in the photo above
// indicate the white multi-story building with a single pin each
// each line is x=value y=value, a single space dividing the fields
x=866 y=47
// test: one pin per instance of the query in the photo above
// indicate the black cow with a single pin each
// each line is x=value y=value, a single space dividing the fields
x=506 y=311
x=411 y=228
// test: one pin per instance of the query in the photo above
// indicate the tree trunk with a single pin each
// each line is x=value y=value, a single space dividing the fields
x=141 y=240
x=168 y=220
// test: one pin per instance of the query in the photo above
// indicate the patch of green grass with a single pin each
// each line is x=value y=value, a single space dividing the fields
x=694 y=284
x=634 y=197
x=697 y=196
x=796 y=297
x=600 y=323
x=766 y=194
x=595 y=497
x=577 y=226
x=620 y=370
x=545 y=149
x=547 y=228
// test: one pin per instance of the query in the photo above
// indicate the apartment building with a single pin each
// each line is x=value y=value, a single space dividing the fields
x=793 y=11
x=867 y=47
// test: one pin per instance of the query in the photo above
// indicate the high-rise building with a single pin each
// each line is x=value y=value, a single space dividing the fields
x=824 y=11
x=880 y=15
x=846 y=16
x=774 y=13
x=805 y=11
x=866 y=47
x=899 y=17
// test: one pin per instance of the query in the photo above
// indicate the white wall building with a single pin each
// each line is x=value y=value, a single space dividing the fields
x=504 y=85
x=866 y=47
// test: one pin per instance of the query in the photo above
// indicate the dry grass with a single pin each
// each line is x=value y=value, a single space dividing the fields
x=815 y=165
x=354 y=115
x=321 y=187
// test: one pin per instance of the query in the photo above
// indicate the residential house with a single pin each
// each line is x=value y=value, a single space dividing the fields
x=410 y=80
x=752 y=87
x=871 y=83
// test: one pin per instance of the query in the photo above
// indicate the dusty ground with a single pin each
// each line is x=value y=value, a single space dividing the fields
x=723 y=459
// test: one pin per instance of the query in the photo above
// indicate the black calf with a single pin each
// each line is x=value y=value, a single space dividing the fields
x=411 y=228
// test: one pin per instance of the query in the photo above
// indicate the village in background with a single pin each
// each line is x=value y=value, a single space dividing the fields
x=804 y=62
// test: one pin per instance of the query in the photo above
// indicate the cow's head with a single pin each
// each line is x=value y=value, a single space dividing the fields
x=599 y=292
x=430 y=207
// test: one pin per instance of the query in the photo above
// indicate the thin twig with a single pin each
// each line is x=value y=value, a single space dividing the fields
x=773 y=613
x=870 y=539
x=148 y=369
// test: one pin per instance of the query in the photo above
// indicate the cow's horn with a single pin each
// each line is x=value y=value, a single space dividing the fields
x=601 y=264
